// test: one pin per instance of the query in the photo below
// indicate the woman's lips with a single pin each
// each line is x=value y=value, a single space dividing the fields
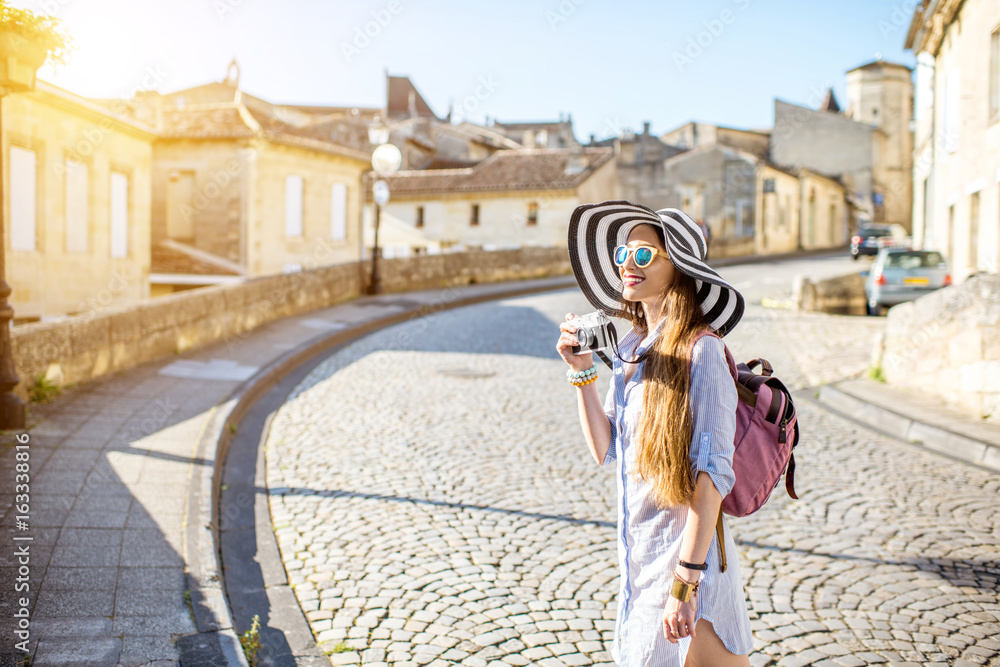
x=632 y=281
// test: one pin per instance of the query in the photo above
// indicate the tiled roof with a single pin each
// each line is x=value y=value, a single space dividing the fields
x=168 y=259
x=338 y=133
x=217 y=122
x=535 y=169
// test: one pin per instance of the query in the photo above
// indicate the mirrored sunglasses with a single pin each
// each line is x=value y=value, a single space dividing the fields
x=644 y=255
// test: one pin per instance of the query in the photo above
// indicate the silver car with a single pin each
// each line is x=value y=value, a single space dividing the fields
x=901 y=274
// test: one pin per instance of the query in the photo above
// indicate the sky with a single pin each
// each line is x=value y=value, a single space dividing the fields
x=611 y=64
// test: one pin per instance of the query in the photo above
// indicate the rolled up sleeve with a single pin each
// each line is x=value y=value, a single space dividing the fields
x=610 y=411
x=713 y=406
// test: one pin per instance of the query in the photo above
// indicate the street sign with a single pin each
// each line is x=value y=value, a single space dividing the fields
x=381 y=192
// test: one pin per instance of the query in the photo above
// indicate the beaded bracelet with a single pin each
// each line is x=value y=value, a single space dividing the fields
x=582 y=378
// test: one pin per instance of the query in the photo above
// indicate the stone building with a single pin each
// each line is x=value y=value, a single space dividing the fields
x=956 y=175
x=695 y=135
x=866 y=147
x=251 y=186
x=881 y=94
x=799 y=209
x=639 y=162
x=512 y=199
x=544 y=134
x=77 y=203
x=722 y=175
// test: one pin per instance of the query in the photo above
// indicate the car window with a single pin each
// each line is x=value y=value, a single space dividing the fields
x=914 y=260
x=875 y=232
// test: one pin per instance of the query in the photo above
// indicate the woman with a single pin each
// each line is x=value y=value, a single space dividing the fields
x=669 y=423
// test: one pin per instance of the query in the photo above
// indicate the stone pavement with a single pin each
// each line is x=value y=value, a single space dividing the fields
x=416 y=529
x=122 y=566
x=434 y=504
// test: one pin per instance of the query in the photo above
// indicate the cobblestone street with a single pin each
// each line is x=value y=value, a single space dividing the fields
x=435 y=503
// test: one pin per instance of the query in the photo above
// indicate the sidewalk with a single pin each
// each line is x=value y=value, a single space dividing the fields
x=123 y=567
x=917 y=419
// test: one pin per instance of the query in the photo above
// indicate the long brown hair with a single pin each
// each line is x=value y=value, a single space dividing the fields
x=665 y=427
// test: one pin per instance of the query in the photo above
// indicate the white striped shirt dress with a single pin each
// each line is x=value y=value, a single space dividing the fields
x=649 y=538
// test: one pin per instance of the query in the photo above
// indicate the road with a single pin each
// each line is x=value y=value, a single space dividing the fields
x=434 y=504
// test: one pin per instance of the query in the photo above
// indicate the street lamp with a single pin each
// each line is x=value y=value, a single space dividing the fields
x=386 y=160
x=20 y=58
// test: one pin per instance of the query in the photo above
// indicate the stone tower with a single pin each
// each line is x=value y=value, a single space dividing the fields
x=881 y=94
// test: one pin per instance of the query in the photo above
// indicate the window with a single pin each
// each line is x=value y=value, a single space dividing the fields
x=994 y=87
x=532 y=214
x=23 y=199
x=119 y=215
x=420 y=216
x=76 y=206
x=973 y=230
x=338 y=212
x=293 y=206
x=917 y=259
x=474 y=218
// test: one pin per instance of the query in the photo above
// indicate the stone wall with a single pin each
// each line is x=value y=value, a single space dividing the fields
x=730 y=247
x=85 y=347
x=843 y=295
x=947 y=344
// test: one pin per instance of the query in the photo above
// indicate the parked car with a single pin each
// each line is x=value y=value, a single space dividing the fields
x=902 y=274
x=866 y=241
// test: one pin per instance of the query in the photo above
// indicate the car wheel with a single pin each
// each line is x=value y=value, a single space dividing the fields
x=854 y=257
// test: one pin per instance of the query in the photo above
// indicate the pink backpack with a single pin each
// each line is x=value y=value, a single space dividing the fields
x=767 y=431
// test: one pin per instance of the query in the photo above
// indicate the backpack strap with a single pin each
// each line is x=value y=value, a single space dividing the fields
x=765 y=367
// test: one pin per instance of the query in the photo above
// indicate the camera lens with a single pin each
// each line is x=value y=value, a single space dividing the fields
x=586 y=337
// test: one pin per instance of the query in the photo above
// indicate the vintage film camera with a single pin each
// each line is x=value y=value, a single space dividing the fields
x=595 y=331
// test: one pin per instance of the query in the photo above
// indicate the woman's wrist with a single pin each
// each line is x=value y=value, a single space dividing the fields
x=687 y=573
x=583 y=377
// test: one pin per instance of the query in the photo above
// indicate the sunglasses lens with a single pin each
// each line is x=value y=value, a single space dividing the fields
x=643 y=256
x=621 y=254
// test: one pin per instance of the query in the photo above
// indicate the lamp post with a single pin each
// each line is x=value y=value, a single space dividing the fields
x=20 y=58
x=386 y=160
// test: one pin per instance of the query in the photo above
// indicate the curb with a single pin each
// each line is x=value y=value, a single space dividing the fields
x=763 y=259
x=937 y=439
x=249 y=569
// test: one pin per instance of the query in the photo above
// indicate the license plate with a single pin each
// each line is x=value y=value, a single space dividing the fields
x=915 y=281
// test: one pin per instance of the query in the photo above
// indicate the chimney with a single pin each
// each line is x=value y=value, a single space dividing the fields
x=576 y=162
x=591 y=139
x=645 y=128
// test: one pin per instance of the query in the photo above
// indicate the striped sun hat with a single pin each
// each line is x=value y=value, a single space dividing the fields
x=596 y=229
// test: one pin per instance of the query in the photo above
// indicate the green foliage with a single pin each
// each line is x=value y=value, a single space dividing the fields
x=41 y=28
x=875 y=373
x=250 y=640
x=43 y=390
x=341 y=647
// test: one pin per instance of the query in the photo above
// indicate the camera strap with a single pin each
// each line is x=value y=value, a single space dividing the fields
x=613 y=336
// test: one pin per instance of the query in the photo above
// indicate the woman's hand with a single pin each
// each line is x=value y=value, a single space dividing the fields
x=679 y=618
x=578 y=362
